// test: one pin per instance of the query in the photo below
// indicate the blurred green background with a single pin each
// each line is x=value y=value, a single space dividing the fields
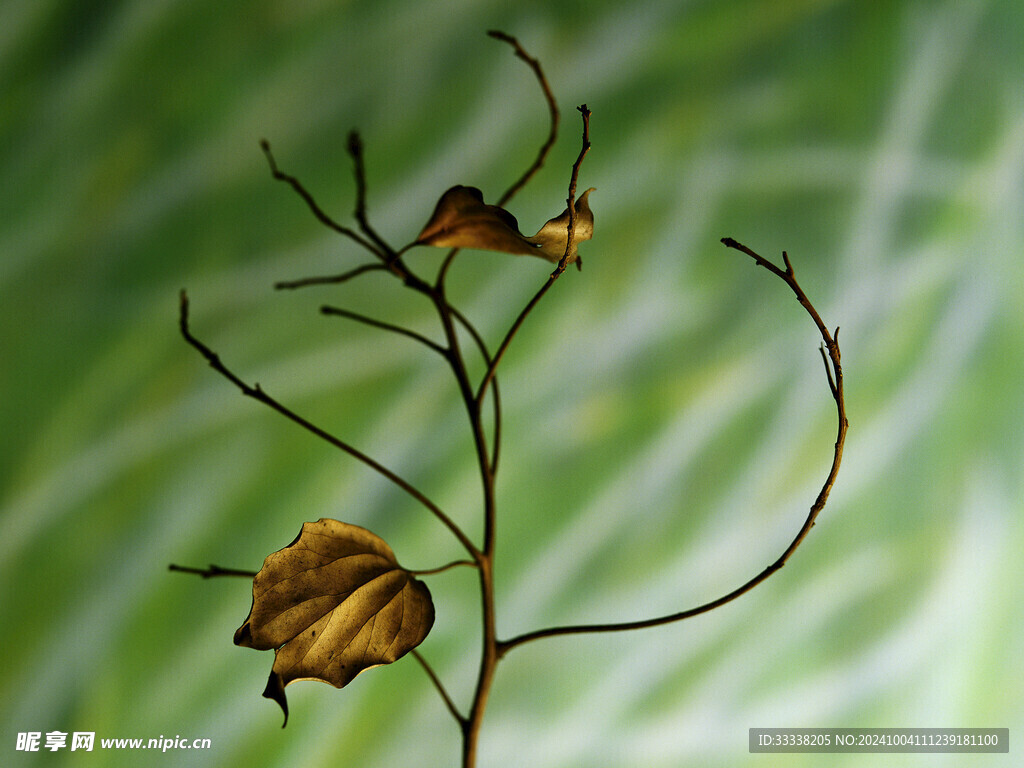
x=668 y=422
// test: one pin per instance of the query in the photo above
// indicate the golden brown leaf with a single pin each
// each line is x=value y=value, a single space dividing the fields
x=461 y=219
x=331 y=604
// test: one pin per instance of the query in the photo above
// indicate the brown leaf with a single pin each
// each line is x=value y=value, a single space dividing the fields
x=333 y=603
x=553 y=235
x=461 y=219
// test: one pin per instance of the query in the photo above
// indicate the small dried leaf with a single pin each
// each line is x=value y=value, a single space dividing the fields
x=461 y=219
x=553 y=235
x=331 y=604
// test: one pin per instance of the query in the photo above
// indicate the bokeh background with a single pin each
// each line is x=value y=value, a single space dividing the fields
x=668 y=421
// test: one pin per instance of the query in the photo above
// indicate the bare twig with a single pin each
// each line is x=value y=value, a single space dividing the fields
x=549 y=97
x=834 y=370
x=545 y=148
x=355 y=149
x=459 y=717
x=443 y=568
x=344 y=277
x=257 y=393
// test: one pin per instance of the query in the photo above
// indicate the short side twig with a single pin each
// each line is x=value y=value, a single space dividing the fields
x=344 y=277
x=312 y=204
x=459 y=717
x=834 y=371
x=355 y=150
x=339 y=312
x=549 y=97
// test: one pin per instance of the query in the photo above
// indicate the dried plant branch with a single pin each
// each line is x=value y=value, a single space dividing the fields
x=834 y=371
x=542 y=153
x=257 y=393
x=443 y=568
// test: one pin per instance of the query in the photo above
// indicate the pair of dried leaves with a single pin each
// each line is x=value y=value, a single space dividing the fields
x=462 y=220
x=333 y=603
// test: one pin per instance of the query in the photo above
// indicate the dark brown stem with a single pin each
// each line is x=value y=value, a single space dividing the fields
x=834 y=371
x=355 y=150
x=330 y=279
x=549 y=97
x=442 y=568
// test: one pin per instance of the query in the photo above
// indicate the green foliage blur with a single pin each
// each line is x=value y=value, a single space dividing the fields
x=668 y=421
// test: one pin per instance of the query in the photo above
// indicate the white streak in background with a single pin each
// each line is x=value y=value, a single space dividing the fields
x=936 y=53
x=133 y=566
x=544 y=580
x=997 y=189
x=49 y=496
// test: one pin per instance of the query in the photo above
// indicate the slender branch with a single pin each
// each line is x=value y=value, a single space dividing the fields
x=355 y=149
x=212 y=571
x=834 y=372
x=257 y=393
x=571 y=231
x=329 y=279
x=328 y=310
x=549 y=97
x=440 y=688
x=311 y=203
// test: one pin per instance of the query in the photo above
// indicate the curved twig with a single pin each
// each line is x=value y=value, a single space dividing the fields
x=257 y=393
x=459 y=717
x=834 y=371
x=339 y=312
x=549 y=97
x=344 y=277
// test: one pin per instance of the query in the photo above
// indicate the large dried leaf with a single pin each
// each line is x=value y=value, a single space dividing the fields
x=333 y=603
x=461 y=219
